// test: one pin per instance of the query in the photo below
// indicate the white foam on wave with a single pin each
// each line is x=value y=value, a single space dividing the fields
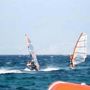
x=83 y=83
x=10 y=70
x=46 y=69
x=4 y=71
x=27 y=69
x=50 y=69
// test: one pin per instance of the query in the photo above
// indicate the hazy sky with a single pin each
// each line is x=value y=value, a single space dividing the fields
x=53 y=25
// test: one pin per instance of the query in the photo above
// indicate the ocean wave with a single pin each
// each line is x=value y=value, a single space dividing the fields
x=4 y=71
x=50 y=69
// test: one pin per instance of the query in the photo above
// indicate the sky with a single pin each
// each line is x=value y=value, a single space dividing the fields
x=53 y=25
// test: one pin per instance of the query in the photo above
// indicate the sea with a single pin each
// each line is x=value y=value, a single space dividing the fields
x=15 y=75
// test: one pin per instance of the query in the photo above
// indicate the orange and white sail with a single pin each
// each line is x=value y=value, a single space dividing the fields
x=80 y=49
x=31 y=50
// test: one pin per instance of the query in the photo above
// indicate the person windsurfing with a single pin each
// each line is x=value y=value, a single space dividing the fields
x=71 y=62
x=31 y=64
x=80 y=51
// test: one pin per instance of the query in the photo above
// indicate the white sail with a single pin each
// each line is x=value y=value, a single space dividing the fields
x=29 y=44
x=31 y=50
x=80 y=50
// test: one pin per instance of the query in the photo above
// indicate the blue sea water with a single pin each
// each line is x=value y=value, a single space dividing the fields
x=14 y=74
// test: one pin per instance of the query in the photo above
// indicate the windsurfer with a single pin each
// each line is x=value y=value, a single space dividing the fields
x=71 y=62
x=31 y=64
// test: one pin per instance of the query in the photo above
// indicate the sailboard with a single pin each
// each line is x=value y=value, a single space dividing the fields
x=31 y=50
x=80 y=50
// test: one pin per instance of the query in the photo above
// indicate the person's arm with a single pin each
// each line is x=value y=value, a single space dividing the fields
x=28 y=64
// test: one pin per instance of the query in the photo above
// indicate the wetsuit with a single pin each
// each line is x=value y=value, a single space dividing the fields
x=71 y=63
x=33 y=66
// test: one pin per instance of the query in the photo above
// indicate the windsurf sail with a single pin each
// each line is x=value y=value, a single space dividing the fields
x=80 y=49
x=31 y=50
